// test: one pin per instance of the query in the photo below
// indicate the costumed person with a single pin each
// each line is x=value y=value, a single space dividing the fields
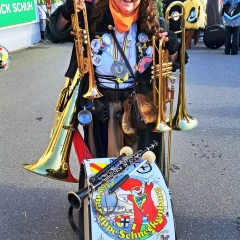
x=144 y=209
x=202 y=21
x=55 y=4
x=231 y=21
x=42 y=12
x=192 y=11
x=174 y=24
x=131 y=24
x=214 y=10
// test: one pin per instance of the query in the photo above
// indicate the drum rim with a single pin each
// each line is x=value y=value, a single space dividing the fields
x=218 y=25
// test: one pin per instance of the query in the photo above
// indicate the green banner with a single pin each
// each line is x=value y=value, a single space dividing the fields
x=14 y=12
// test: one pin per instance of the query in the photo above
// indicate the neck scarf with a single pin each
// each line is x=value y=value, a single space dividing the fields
x=122 y=22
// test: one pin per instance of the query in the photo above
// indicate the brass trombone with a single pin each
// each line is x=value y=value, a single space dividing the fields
x=162 y=94
x=181 y=121
x=163 y=72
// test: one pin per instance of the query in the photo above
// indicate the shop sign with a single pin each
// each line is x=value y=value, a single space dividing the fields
x=14 y=12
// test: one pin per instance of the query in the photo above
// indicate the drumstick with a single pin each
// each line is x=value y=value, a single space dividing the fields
x=125 y=152
x=148 y=157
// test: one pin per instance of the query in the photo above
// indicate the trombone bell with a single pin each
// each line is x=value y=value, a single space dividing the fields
x=54 y=162
x=183 y=124
x=49 y=166
x=162 y=127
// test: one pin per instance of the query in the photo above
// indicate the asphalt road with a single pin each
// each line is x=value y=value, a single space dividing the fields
x=205 y=166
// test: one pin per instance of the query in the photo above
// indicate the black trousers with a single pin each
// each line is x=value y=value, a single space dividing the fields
x=231 y=40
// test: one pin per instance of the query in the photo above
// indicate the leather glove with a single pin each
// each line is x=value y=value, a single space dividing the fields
x=68 y=9
x=172 y=45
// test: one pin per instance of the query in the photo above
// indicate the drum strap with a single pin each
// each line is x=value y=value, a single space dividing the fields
x=71 y=221
x=79 y=231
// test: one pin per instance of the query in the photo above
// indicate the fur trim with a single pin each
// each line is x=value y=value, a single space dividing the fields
x=146 y=108
x=126 y=119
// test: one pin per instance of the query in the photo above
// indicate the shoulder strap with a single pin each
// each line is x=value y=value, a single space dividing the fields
x=125 y=60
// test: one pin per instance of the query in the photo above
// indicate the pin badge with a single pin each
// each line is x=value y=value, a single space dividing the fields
x=95 y=45
x=142 y=37
x=144 y=64
x=97 y=60
x=103 y=46
x=106 y=38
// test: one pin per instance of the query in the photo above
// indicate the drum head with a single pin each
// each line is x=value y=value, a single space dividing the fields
x=120 y=215
x=214 y=36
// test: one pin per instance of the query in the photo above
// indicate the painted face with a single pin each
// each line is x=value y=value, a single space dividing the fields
x=127 y=6
x=137 y=191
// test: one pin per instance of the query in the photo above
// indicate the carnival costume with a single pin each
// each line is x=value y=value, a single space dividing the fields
x=106 y=138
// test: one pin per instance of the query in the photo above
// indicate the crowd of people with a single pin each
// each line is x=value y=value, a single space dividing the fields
x=206 y=13
x=45 y=8
x=231 y=21
x=202 y=14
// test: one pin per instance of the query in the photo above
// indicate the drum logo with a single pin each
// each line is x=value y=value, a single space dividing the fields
x=137 y=210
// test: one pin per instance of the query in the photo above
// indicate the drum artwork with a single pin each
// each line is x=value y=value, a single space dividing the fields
x=139 y=209
x=214 y=36
x=4 y=58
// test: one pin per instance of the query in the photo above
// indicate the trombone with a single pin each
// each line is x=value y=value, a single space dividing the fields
x=162 y=94
x=181 y=121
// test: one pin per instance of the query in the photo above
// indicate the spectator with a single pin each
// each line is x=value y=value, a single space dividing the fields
x=55 y=4
x=174 y=25
x=42 y=11
x=192 y=8
x=239 y=42
x=214 y=10
x=231 y=20
x=202 y=21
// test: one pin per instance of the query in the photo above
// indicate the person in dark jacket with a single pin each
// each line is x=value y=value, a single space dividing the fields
x=174 y=23
x=133 y=22
x=213 y=10
x=231 y=21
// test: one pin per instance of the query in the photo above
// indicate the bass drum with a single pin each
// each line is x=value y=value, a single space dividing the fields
x=4 y=58
x=140 y=208
x=214 y=36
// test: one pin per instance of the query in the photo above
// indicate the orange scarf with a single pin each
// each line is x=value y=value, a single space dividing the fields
x=122 y=23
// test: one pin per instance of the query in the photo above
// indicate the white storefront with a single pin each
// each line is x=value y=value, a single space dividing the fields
x=19 y=24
